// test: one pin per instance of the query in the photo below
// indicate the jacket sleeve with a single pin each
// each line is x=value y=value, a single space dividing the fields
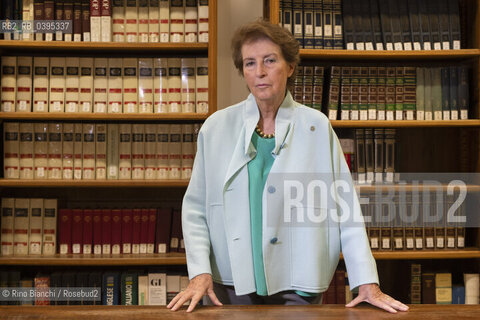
x=361 y=266
x=194 y=222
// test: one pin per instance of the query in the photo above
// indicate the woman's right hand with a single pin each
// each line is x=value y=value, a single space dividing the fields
x=197 y=287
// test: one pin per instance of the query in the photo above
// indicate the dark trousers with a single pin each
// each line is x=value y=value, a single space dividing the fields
x=226 y=295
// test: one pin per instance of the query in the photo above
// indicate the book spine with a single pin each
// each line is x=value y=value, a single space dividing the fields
x=116 y=227
x=453 y=94
x=78 y=151
x=136 y=229
x=40 y=154
x=308 y=26
x=41 y=74
x=38 y=15
x=21 y=227
x=85 y=94
x=106 y=231
x=162 y=152
x=175 y=152
x=86 y=35
x=130 y=85
x=65 y=231
x=144 y=230
x=177 y=21
x=72 y=84
x=138 y=151
x=363 y=93
x=113 y=155
x=24 y=84
x=160 y=85
x=376 y=25
x=142 y=20
x=174 y=84
x=97 y=232
x=191 y=20
x=9 y=83
x=150 y=151
x=115 y=100
x=409 y=92
x=414 y=18
x=201 y=83
x=95 y=21
x=354 y=93
x=287 y=19
x=188 y=84
x=445 y=75
x=87 y=240
x=145 y=85
x=165 y=20
x=55 y=150
x=348 y=27
x=68 y=15
x=127 y=231
x=11 y=150
x=164 y=222
x=157 y=295
x=436 y=97
x=57 y=84
x=106 y=21
x=334 y=92
x=110 y=289
x=307 y=94
x=77 y=21
x=100 y=151
x=88 y=149
x=454 y=20
x=152 y=225
x=203 y=9
x=125 y=151
x=67 y=150
x=100 y=85
x=77 y=231
x=154 y=21
x=327 y=24
x=118 y=20
x=26 y=150
x=317 y=95
x=188 y=152
x=49 y=15
x=7 y=225
x=399 y=92
x=372 y=93
x=463 y=94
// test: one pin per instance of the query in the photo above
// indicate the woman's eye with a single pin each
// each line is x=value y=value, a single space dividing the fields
x=249 y=64
x=269 y=61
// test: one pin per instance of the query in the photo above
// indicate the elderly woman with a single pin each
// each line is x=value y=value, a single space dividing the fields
x=238 y=249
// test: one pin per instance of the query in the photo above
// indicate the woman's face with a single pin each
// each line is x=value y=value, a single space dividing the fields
x=265 y=71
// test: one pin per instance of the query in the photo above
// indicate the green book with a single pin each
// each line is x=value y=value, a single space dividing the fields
x=363 y=97
x=129 y=289
x=317 y=87
x=390 y=93
x=420 y=93
x=355 y=93
x=334 y=92
x=409 y=92
x=437 y=93
x=399 y=92
x=345 y=97
x=381 y=93
x=428 y=94
x=372 y=93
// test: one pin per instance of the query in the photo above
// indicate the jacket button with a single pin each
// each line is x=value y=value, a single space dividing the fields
x=273 y=240
x=312 y=128
x=271 y=189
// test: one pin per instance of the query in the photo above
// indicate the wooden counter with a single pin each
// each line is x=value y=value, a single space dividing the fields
x=430 y=312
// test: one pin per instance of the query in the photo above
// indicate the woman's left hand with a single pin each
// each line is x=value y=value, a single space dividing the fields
x=372 y=294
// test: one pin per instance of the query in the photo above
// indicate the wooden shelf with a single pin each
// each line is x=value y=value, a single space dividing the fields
x=12 y=183
x=319 y=54
x=156 y=259
x=469 y=253
x=365 y=188
x=48 y=116
x=405 y=123
x=180 y=259
x=20 y=46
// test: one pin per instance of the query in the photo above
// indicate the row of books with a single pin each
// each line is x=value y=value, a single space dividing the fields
x=413 y=223
x=131 y=287
x=314 y=23
x=31 y=226
x=396 y=93
x=98 y=151
x=104 y=85
x=36 y=230
x=119 y=231
x=373 y=24
x=338 y=291
x=108 y=20
x=371 y=155
x=441 y=288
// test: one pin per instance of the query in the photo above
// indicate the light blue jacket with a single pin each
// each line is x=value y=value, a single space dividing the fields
x=216 y=216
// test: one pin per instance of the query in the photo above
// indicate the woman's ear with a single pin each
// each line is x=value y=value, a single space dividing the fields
x=291 y=70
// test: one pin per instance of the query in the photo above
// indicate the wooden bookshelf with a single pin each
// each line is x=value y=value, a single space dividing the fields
x=14 y=183
x=473 y=123
x=47 y=116
x=156 y=259
x=322 y=54
x=14 y=46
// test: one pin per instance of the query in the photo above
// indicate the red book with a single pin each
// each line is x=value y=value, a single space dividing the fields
x=329 y=296
x=136 y=229
x=42 y=284
x=65 y=231
x=144 y=231
x=152 y=224
x=106 y=231
x=77 y=231
x=97 y=231
x=127 y=231
x=86 y=20
x=164 y=223
x=87 y=231
x=116 y=231
x=176 y=234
